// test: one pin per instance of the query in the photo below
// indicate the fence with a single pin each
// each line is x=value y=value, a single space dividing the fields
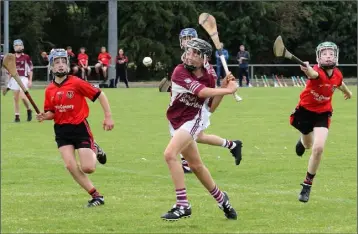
x=41 y=73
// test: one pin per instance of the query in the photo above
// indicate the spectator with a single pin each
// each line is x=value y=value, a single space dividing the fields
x=121 y=68
x=72 y=59
x=220 y=71
x=243 y=58
x=104 y=60
x=83 y=63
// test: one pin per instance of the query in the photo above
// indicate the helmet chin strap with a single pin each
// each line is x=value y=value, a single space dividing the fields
x=61 y=74
x=328 y=66
x=190 y=68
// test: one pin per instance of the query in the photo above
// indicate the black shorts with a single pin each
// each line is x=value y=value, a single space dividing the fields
x=80 y=135
x=304 y=120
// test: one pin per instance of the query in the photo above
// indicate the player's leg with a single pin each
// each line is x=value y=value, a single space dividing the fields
x=27 y=105
x=101 y=155
x=68 y=156
x=320 y=137
x=185 y=164
x=233 y=146
x=16 y=94
x=87 y=158
x=301 y=119
x=191 y=153
x=86 y=141
x=180 y=139
x=305 y=142
x=24 y=99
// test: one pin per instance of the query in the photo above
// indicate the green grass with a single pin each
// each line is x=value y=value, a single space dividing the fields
x=39 y=196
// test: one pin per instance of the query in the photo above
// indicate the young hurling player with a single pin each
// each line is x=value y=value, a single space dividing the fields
x=234 y=146
x=65 y=103
x=24 y=69
x=312 y=115
x=192 y=87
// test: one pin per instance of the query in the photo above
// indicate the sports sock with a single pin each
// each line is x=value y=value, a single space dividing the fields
x=217 y=195
x=228 y=144
x=182 y=200
x=94 y=193
x=309 y=178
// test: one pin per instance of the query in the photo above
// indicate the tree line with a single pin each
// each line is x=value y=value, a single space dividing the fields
x=152 y=29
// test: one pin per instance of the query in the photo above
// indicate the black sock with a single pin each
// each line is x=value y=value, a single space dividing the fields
x=309 y=178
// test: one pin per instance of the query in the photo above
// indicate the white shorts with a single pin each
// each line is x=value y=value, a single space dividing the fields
x=194 y=127
x=206 y=119
x=13 y=85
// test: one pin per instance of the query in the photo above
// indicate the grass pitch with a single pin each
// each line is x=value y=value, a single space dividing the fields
x=38 y=195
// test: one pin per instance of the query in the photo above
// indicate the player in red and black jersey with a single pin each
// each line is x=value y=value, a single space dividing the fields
x=65 y=103
x=312 y=115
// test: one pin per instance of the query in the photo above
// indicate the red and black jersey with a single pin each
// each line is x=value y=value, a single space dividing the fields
x=317 y=95
x=68 y=100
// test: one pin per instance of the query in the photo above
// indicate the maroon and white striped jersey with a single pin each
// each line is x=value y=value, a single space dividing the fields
x=185 y=105
x=24 y=65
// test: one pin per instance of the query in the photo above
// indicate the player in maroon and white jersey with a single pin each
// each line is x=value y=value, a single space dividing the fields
x=312 y=115
x=24 y=69
x=234 y=146
x=192 y=88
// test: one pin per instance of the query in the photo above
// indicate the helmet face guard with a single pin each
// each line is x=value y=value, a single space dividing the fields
x=18 y=46
x=324 y=46
x=55 y=54
x=186 y=35
x=200 y=47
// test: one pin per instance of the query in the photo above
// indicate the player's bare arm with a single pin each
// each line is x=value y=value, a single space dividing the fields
x=347 y=93
x=309 y=71
x=217 y=99
x=212 y=92
x=31 y=73
x=108 y=123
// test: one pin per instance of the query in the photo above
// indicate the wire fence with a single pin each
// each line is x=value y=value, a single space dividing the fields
x=41 y=73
